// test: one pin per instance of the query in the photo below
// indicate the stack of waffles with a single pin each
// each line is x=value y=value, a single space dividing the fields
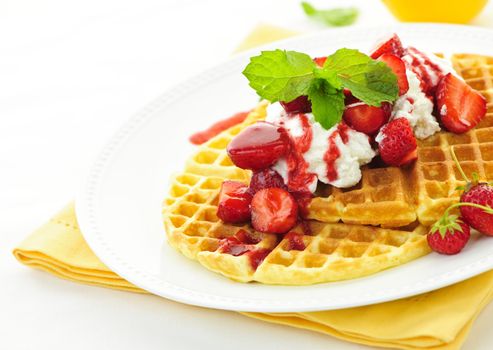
x=380 y=223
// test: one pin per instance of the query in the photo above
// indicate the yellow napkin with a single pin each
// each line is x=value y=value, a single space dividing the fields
x=437 y=320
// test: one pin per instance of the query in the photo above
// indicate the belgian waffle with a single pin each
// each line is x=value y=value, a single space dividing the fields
x=333 y=251
x=409 y=198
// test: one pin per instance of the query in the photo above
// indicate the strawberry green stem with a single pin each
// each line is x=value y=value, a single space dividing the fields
x=454 y=157
x=488 y=210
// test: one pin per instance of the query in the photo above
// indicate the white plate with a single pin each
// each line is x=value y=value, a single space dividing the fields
x=119 y=206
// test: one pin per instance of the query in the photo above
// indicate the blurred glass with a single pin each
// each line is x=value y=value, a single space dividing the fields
x=449 y=11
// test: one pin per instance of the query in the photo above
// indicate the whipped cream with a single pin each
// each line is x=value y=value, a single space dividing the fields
x=429 y=64
x=354 y=149
x=416 y=107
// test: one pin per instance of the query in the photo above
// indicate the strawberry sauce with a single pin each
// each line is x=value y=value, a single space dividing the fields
x=429 y=72
x=331 y=156
x=333 y=153
x=216 y=128
x=243 y=243
x=298 y=176
x=295 y=241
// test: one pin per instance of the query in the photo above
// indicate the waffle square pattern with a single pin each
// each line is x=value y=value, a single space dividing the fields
x=334 y=251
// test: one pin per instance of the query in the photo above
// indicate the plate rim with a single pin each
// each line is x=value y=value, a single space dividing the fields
x=87 y=215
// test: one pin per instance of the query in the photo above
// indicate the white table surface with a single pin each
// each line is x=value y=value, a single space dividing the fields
x=71 y=72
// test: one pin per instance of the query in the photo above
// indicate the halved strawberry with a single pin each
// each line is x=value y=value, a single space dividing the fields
x=460 y=107
x=367 y=119
x=349 y=97
x=398 y=145
x=234 y=202
x=274 y=210
x=390 y=45
x=300 y=104
x=399 y=69
x=320 y=61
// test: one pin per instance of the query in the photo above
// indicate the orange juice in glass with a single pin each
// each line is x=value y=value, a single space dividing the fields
x=449 y=11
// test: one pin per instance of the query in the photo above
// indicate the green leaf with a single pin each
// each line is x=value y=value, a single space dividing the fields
x=334 y=17
x=370 y=81
x=280 y=75
x=327 y=103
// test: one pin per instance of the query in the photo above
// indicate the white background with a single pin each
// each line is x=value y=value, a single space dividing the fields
x=71 y=72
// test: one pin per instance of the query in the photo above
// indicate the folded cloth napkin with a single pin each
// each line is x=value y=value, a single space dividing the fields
x=437 y=320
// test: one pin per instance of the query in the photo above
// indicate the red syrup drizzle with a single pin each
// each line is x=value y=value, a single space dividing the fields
x=298 y=176
x=242 y=242
x=427 y=62
x=216 y=128
x=333 y=153
x=420 y=63
x=257 y=256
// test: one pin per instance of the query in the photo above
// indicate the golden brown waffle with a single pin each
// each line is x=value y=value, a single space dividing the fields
x=341 y=251
x=333 y=251
x=384 y=196
x=436 y=175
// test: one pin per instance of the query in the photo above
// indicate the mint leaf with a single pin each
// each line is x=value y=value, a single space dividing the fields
x=285 y=75
x=334 y=17
x=327 y=103
x=280 y=75
x=370 y=81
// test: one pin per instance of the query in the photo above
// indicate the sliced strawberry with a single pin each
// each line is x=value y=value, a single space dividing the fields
x=398 y=144
x=460 y=107
x=320 y=61
x=298 y=105
x=234 y=202
x=399 y=69
x=349 y=98
x=258 y=146
x=367 y=119
x=390 y=45
x=274 y=210
x=266 y=178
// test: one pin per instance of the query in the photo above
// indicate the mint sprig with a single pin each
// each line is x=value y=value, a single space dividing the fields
x=285 y=75
x=336 y=17
x=327 y=102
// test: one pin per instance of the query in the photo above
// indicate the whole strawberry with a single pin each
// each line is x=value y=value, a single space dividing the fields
x=449 y=235
x=396 y=143
x=478 y=218
x=476 y=203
